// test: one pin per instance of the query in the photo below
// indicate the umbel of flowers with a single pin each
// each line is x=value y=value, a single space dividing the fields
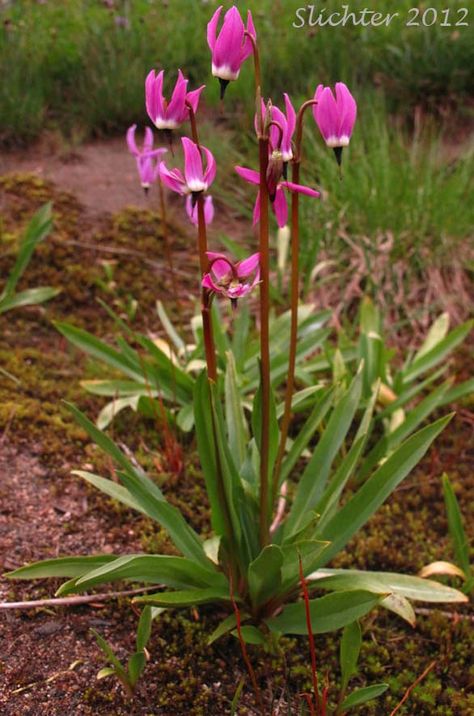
x=265 y=547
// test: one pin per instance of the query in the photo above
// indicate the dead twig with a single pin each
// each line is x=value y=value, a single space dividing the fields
x=73 y=601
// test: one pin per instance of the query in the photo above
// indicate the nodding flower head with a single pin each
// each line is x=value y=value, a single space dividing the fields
x=278 y=202
x=192 y=210
x=230 y=279
x=281 y=132
x=232 y=47
x=147 y=158
x=335 y=116
x=195 y=179
x=164 y=114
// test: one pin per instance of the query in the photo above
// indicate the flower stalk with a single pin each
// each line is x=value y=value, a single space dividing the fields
x=294 y=293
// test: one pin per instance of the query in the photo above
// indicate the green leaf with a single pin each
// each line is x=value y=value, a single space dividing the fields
x=361 y=696
x=456 y=528
x=101 y=351
x=404 y=585
x=436 y=354
x=105 y=672
x=104 y=442
x=251 y=635
x=235 y=420
x=168 y=516
x=38 y=228
x=155 y=569
x=330 y=499
x=117 y=388
x=414 y=418
x=29 y=297
x=328 y=613
x=351 y=643
x=112 y=409
x=306 y=550
x=274 y=431
x=436 y=334
x=144 y=628
x=136 y=664
x=313 y=480
x=207 y=453
x=169 y=328
x=241 y=334
x=110 y=656
x=373 y=493
x=185 y=418
x=301 y=441
x=458 y=392
x=226 y=626
x=185 y=597
x=112 y=489
x=61 y=567
x=401 y=606
x=236 y=697
x=264 y=574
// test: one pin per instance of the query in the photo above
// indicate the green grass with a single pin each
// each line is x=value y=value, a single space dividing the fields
x=395 y=186
x=69 y=64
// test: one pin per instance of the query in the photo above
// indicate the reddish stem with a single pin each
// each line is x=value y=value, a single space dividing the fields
x=410 y=688
x=264 y=343
x=295 y=289
x=243 y=646
x=310 y=633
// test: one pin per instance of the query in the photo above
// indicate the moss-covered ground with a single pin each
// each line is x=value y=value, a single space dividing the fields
x=185 y=675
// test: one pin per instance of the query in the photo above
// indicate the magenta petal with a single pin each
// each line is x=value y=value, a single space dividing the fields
x=208 y=283
x=280 y=207
x=248 y=266
x=146 y=170
x=212 y=28
x=247 y=49
x=228 y=47
x=277 y=116
x=150 y=95
x=176 y=108
x=249 y=175
x=221 y=266
x=191 y=210
x=174 y=180
x=290 y=115
x=148 y=141
x=208 y=210
x=132 y=146
x=347 y=110
x=192 y=162
x=256 y=210
x=193 y=98
x=327 y=115
x=300 y=189
x=211 y=167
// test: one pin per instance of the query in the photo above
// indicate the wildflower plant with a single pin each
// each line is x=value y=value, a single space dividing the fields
x=277 y=526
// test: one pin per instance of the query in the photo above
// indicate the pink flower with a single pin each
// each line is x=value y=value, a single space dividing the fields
x=335 y=116
x=170 y=115
x=227 y=278
x=279 y=204
x=281 y=141
x=147 y=158
x=192 y=210
x=195 y=179
x=231 y=48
